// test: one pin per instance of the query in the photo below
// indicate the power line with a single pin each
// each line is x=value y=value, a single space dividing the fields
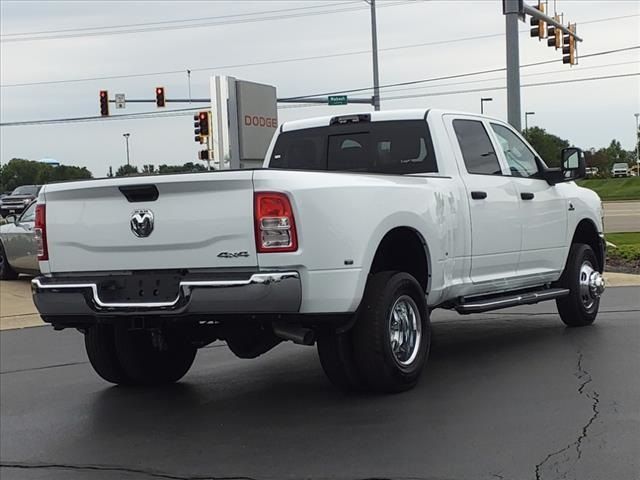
x=199 y=25
x=488 y=89
x=184 y=20
x=286 y=60
x=188 y=111
x=450 y=77
x=552 y=72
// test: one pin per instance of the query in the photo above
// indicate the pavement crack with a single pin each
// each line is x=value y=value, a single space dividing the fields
x=114 y=469
x=584 y=379
x=33 y=369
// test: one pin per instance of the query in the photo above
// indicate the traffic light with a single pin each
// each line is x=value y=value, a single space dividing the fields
x=160 y=102
x=554 y=35
x=104 y=103
x=539 y=26
x=203 y=155
x=203 y=121
x=201 y=126
x=569 y=47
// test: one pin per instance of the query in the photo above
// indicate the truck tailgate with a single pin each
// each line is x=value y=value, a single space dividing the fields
x=200 y=220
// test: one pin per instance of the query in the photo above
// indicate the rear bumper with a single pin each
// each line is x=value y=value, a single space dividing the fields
x=262 y=292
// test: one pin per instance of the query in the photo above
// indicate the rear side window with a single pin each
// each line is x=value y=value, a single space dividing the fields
x=301 y=150
x=477 y=151
x=398 y=147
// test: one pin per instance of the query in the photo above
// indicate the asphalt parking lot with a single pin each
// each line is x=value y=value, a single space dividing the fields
x=511 y=394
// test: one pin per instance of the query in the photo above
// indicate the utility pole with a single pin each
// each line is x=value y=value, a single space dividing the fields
x=374 y=49
x=482 y=100
x=512 y=12
x=526 y=118
x=126 y=138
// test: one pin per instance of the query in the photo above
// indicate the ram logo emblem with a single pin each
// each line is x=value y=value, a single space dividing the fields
x=142 y=222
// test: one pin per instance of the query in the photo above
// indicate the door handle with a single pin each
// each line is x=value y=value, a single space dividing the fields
x=478 y=195
x=527 y=196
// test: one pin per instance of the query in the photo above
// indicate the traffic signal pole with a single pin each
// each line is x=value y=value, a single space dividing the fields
x=515 y=10
x=512 y=13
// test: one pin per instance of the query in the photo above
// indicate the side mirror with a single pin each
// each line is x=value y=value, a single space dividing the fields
x=573 y=164
x=572 y=167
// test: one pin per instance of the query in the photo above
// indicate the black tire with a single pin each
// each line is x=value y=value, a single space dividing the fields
x=144 y=364
x=99 y=342
x=336 y=357
x=6 y=272
x=382 y=370
x=572 y=308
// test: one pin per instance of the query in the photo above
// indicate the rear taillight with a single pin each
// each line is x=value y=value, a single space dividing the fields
x=40 y=232
x=275 y=227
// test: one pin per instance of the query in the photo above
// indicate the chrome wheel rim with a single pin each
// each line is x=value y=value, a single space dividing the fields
x=405 y=330
x=591 y=285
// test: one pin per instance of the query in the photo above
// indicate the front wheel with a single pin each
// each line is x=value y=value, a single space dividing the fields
x=585 y=283
x=392 y=335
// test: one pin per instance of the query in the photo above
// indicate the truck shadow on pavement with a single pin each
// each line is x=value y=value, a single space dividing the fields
x=223 y=389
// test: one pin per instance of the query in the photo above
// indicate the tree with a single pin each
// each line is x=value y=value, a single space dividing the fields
x=616 y=153
x=19 y=171
x=187 y=167
x=124 y=170
x=547 y=145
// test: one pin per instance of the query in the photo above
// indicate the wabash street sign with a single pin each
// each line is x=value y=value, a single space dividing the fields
x=337 y=99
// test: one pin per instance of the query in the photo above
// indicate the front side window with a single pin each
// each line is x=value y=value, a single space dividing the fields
x=478 y=153
x=521 y=160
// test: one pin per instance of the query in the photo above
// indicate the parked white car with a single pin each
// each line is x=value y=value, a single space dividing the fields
x=355 y=229
x=18 y=249
x=620 y=170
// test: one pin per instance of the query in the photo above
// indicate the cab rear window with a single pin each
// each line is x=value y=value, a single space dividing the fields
x=378 y=147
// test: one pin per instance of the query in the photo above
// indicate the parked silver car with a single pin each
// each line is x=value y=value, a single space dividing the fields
x=18 y=251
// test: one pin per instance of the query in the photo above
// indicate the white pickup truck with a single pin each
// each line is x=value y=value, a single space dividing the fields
x=355 y=229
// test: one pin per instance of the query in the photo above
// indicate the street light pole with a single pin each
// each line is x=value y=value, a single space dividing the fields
x=374 y=49
x=126 y=138
x=482 y=100
x=526 y=120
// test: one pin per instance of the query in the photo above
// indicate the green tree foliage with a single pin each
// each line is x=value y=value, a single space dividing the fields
x=125 y=170
x=19 y=171
x=187 y=167
x=547 y=145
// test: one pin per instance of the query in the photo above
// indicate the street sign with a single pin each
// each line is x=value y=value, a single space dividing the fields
x=337 y=99
x=120 y=101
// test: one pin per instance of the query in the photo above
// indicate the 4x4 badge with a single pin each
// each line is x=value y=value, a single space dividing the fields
x=142 y=222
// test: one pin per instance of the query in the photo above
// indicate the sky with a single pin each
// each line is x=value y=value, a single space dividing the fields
x=588 y=114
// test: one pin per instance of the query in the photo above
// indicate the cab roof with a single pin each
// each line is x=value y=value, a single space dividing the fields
x=380 y=116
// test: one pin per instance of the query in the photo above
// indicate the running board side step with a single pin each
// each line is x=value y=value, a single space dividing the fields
x=513 y=300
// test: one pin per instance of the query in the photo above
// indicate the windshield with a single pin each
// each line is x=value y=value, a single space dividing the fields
x=26 y=190
x=620 y=165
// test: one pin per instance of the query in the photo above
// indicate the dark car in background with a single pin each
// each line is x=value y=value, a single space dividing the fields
x=19 y=199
